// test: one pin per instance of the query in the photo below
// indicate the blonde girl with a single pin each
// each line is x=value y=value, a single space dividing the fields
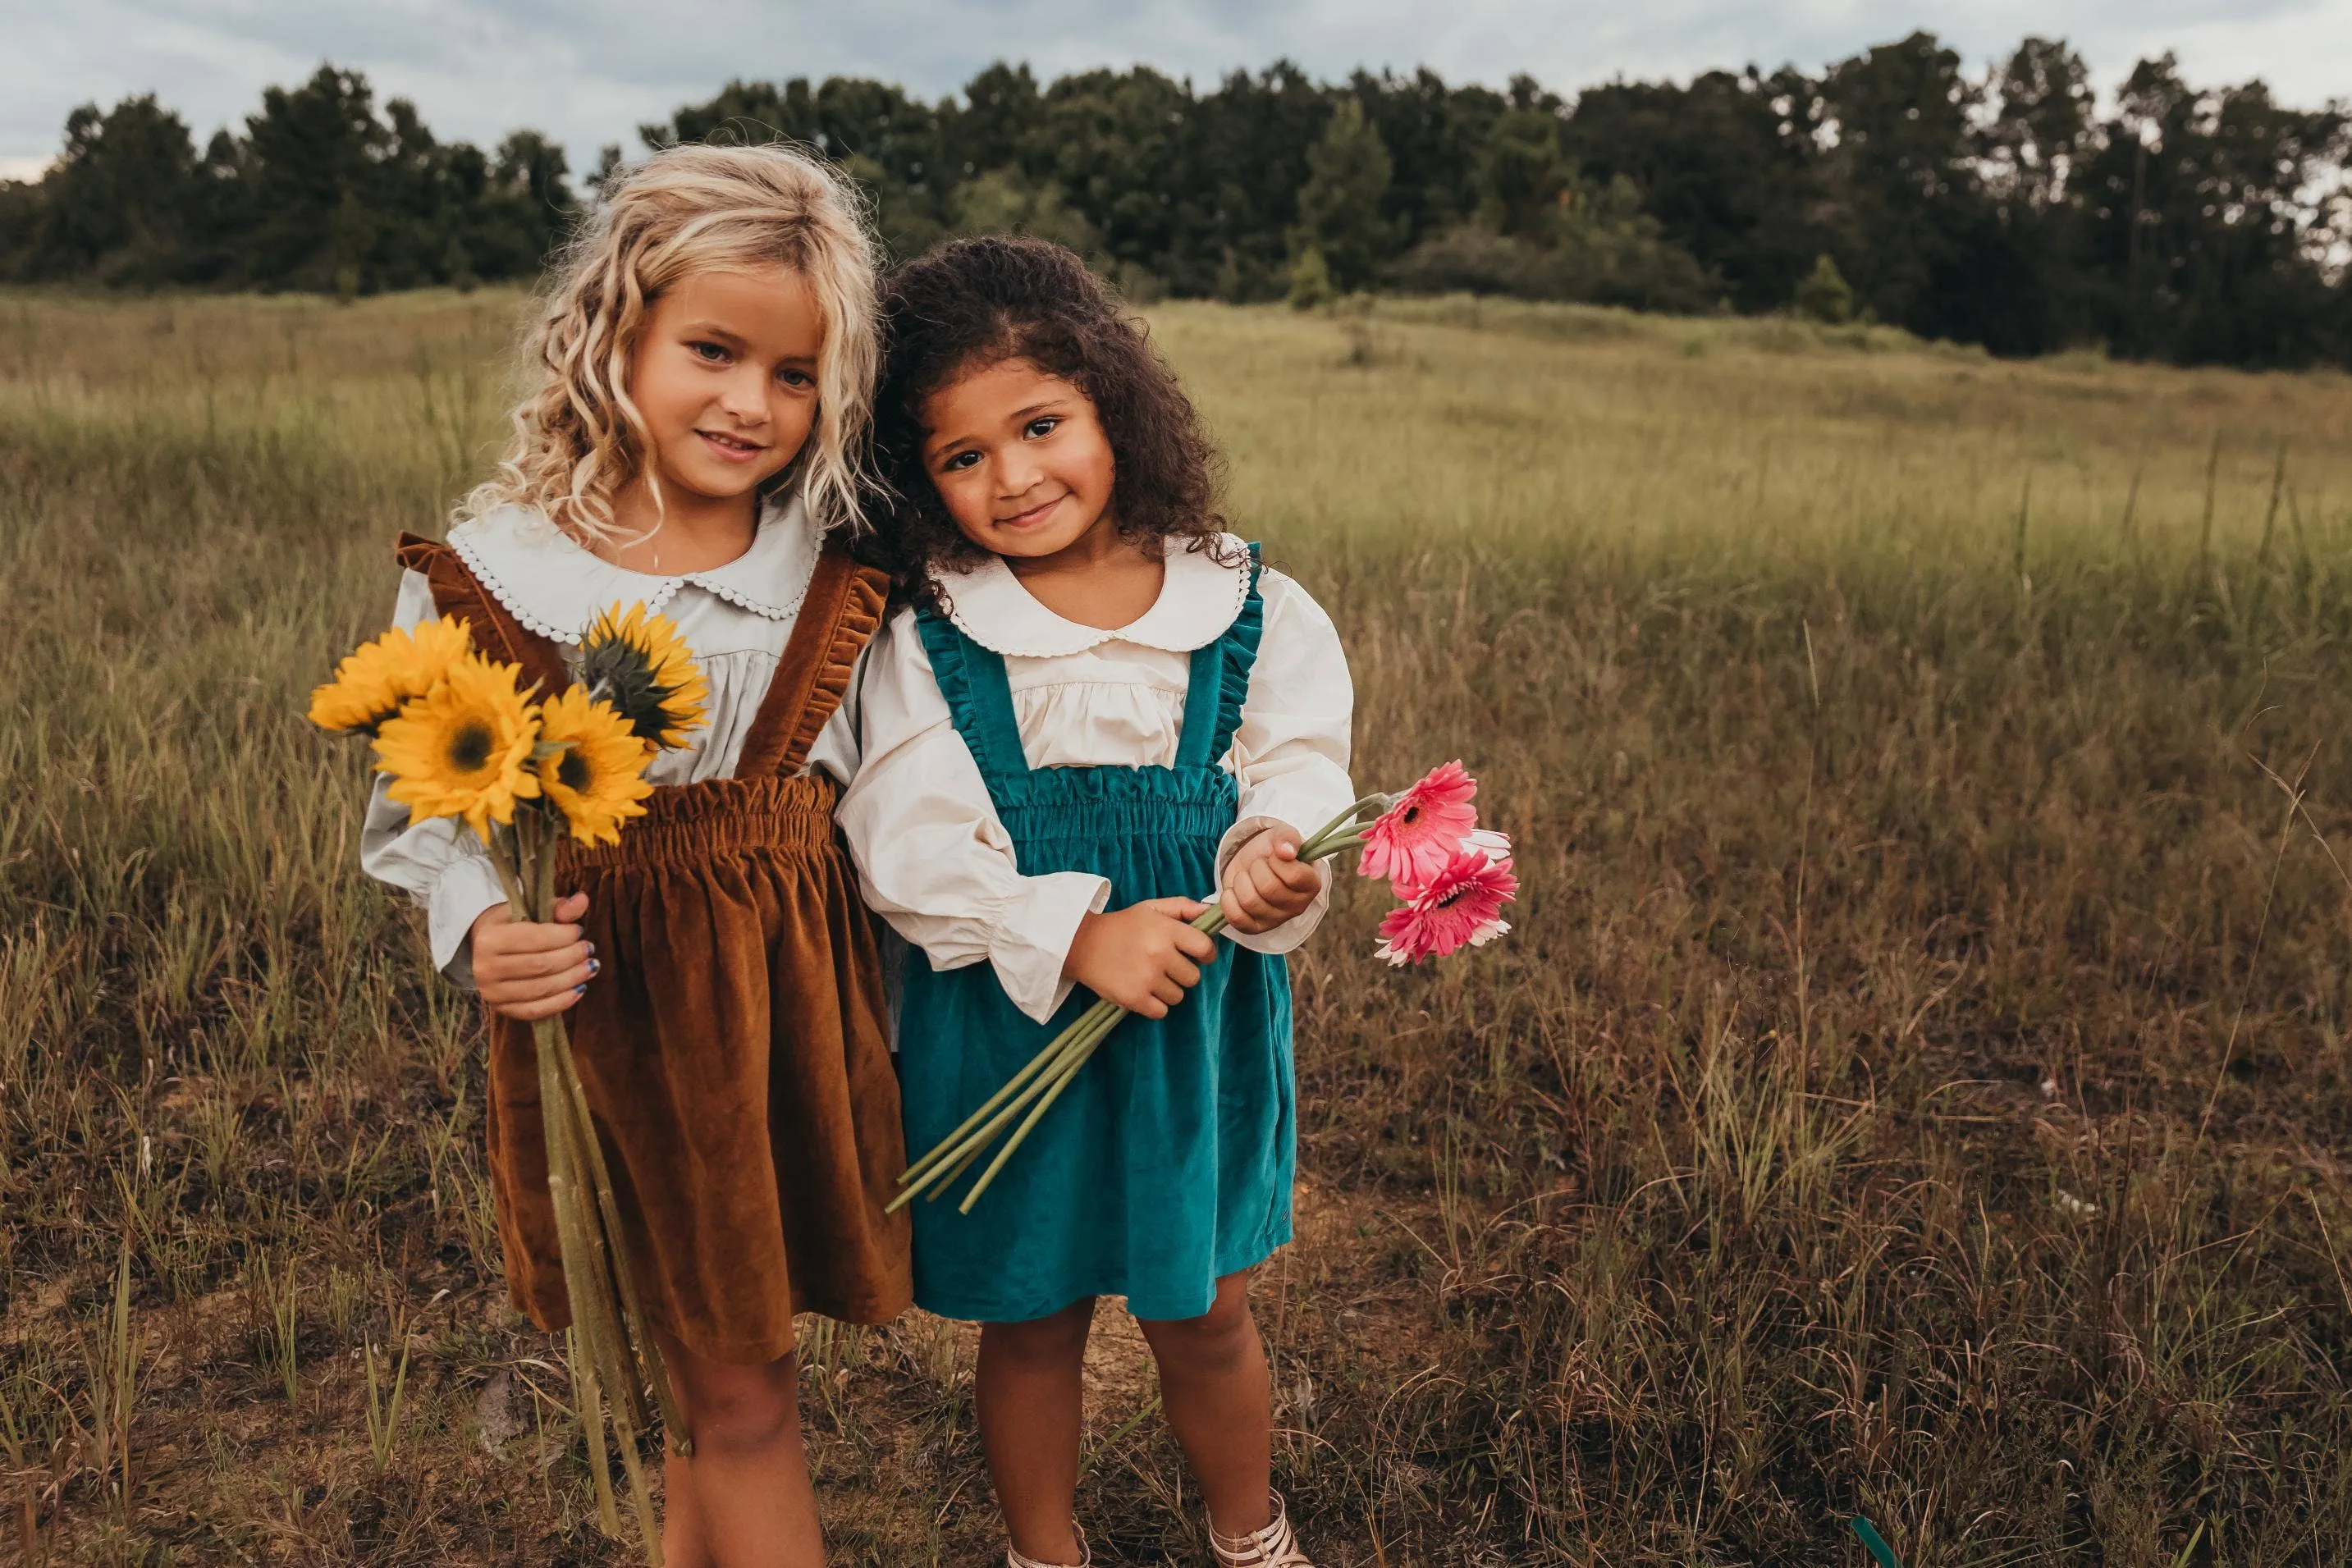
x=704 y=366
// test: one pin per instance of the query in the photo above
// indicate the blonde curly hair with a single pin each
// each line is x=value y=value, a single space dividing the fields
x=578 y=439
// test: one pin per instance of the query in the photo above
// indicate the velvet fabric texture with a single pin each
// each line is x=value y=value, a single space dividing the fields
x=1167 y=1162
x=734 y=1049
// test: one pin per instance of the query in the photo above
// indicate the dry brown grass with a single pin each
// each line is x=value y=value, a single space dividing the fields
x=1917 y=1086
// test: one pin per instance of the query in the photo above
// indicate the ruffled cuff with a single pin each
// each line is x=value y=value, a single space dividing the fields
x=466 y=887
x=1294 y=931
x=1030 y=940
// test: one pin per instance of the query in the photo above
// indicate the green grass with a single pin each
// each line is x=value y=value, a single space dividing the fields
x=1917 y=1085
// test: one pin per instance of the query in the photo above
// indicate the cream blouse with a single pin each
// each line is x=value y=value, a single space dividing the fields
x=736 y=618
x=938 y=864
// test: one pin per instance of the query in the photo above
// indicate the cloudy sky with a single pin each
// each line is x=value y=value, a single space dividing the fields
x=589 y=70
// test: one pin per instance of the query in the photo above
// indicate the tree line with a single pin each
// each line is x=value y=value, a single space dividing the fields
x=2195 y=224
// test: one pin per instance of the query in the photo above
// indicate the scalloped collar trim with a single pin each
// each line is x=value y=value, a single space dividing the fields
x=1199 y=599
x=555 y=586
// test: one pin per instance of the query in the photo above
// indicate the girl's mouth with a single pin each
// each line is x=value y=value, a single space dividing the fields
x=1033 y=516
x=731 y=449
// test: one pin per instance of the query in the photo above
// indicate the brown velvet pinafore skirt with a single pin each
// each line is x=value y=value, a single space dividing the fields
x=734 y=1048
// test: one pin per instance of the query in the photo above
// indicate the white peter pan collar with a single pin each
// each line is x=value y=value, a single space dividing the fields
x=555 y=586
x=1199 y=598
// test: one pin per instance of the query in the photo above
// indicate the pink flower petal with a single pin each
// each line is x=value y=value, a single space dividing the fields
x=1461 y=907
x=1412 y=839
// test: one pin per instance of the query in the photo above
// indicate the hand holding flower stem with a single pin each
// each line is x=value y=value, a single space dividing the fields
x=1037 y=1085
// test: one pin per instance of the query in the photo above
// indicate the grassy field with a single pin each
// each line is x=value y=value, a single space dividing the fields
x=1917 y=1086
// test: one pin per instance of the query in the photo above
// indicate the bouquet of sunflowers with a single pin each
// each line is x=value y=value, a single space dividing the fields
x=462 y=738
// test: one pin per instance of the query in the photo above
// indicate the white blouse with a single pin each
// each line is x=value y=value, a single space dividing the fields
x=934 y=858
x=736 y=618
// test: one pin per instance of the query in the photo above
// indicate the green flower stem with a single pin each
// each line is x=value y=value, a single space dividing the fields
x=952 y=1155
x=597 y=1286
x=1044 y=1104
x=1037 y=1064
x=1081 y=1045
x=633 y=1312
x=1040 y=1082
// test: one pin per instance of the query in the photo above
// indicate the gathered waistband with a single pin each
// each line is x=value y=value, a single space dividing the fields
x=720 y=817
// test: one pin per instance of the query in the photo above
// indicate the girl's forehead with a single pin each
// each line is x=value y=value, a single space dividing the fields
x=773 y=299
x=999 y=377
x=738 y=279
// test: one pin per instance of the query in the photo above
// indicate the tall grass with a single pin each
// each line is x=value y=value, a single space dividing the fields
x=1917 y=1085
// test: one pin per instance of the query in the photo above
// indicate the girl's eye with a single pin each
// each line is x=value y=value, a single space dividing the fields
x=796 y=379
x=1042 y=425
x=708 y=353
x=959 y=462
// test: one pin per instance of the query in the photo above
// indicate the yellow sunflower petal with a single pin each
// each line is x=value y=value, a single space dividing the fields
x=463 y=749
x=597 y=778
x=371 y=685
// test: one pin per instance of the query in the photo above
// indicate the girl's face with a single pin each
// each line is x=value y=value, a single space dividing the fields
x=725 y=375
x=1019 y=457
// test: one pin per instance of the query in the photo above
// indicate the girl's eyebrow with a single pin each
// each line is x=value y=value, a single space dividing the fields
x=735 y=340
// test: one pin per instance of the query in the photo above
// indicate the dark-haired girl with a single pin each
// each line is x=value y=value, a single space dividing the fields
x=1096 y=708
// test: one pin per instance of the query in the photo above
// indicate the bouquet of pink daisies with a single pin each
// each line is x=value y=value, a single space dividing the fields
x=1451 y=878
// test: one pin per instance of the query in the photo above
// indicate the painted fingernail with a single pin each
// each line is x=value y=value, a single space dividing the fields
x=580 y=990
x=595 y=968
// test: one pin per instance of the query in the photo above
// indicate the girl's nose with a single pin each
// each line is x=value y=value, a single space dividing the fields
x=745 y=396
x=1016 y=473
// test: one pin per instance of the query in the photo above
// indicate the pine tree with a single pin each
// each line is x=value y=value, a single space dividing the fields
x=1340 y=205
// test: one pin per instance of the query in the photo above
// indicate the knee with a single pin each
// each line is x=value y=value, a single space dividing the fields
x=1042 y=1342
x=1219 y=1340
x=743 y=1409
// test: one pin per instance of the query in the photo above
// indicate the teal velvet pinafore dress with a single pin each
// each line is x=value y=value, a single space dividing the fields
x=1167 y=1162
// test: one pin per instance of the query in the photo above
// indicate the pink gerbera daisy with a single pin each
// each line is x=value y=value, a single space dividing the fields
x=1413 y=840
x=1461 y=907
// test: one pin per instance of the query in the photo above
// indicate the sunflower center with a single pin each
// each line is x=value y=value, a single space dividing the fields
x=469 y=747
x=574 y=772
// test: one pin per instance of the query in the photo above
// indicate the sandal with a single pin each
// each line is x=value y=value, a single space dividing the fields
x=1013 y=1559
x=1275 y=1546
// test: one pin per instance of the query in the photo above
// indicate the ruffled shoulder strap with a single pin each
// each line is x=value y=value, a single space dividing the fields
x=1220 y=680
x=842 y=612
x=979 y=696
x=457 y=591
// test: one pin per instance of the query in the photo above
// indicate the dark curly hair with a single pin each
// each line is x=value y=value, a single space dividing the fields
x=973 y=303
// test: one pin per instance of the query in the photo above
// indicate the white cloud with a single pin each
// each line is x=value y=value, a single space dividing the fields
x=589 y=72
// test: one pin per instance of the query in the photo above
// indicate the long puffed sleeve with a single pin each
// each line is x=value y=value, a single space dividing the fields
x=1290 y=751
x=438 y=862
x=934 y=858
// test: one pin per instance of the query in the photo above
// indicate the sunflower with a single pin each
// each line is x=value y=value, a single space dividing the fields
x=590 y=764
x=638 y=663
x=463 y=749
x=371 y=685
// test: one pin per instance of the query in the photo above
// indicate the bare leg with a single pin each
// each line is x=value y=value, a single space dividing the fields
x=743 y=1501
x=1219 y=1399
x=1031 y=1392
x=685 y=1542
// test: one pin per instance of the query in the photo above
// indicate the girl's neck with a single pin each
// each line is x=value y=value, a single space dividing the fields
x=1098 y=579
x=696 y=533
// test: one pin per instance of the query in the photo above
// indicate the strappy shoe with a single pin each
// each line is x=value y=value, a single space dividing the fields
x=1275 y=1546
x=1013 y=1559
